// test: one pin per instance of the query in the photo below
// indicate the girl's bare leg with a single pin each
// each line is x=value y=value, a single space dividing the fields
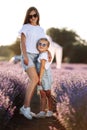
x=49 y=99
x=43 y=100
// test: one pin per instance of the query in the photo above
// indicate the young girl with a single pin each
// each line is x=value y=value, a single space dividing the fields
x=45 y=79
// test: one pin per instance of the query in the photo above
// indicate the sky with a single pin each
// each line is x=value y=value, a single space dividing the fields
x=70 y=14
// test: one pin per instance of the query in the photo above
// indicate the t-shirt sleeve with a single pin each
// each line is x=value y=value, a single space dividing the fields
x=23 y=30
x=44 y=56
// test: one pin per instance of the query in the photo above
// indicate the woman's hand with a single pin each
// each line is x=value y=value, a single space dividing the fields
x=26 y=60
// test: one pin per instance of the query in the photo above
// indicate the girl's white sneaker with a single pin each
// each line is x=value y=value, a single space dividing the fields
x=49 y=114
x=41 y=114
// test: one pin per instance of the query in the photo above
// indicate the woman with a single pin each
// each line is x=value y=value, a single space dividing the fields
x=31 y=32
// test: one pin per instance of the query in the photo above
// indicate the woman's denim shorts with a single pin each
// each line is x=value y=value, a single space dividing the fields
x=32 y=61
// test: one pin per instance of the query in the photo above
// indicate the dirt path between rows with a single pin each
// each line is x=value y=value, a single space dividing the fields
x=19 y=122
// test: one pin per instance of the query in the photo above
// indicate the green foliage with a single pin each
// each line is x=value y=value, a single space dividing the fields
x=15 y=47
x=62 y=36
x=67 y=39
x=79 y=54
x=5 y=53
x=74 y=48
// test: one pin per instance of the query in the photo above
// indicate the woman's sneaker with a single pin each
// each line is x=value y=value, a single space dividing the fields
x=26 y=112
x=49 y=114
x=33 y=114
x=41 y=114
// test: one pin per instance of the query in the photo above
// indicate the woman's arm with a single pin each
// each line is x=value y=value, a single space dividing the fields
x=23 y=48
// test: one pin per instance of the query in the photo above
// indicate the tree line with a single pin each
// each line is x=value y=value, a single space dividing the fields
x=74 y=48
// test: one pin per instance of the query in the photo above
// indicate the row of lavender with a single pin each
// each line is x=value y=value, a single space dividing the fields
x=13 y=82
x=70 y=91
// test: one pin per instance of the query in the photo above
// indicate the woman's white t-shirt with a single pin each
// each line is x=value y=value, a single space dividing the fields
x=44 y=55
x=33 y=34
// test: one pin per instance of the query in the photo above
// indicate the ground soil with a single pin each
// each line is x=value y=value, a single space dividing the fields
x=19 y=122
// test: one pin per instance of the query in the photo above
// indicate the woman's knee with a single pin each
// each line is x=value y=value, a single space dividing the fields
x=35 y=80
x=33 y=76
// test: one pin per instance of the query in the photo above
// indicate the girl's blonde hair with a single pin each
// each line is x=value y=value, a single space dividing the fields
x=45 y=39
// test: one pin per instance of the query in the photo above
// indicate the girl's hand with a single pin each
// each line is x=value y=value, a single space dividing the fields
x=39 y=83
x=49 y=56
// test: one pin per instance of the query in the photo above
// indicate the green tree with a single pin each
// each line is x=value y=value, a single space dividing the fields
x=66 y=38
x=15 y=47
x=5 y=53
x=63 y=37
x=79 y=54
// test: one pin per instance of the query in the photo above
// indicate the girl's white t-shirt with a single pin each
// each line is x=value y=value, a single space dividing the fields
x=33 y=34
x=44 y=55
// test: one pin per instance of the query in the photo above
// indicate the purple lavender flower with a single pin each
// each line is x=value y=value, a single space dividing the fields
x=70 y=91
x=13 y=81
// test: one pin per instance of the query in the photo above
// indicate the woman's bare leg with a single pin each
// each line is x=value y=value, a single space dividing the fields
x=33 y=76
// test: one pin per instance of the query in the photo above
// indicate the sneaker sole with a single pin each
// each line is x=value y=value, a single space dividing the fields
x=25 y=116
x=41 y=117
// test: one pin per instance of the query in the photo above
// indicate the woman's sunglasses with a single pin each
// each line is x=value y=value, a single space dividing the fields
x=42 y=44
x=31 y=16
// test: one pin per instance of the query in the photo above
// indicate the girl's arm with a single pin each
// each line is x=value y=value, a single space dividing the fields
x=23 y=48
x=42 y=69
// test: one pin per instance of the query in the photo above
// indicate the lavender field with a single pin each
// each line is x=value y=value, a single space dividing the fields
x=69 y=90
x=13 y=82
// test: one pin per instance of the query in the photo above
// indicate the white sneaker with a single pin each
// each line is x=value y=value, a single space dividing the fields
x=26 y=112
x=41 y=114
x=49 y=114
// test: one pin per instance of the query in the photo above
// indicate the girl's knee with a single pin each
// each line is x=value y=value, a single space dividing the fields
x=43 y=94
x=48 y=93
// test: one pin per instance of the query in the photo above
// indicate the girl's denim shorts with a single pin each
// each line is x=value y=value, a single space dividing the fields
x=32 y=61
x=47 y=78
